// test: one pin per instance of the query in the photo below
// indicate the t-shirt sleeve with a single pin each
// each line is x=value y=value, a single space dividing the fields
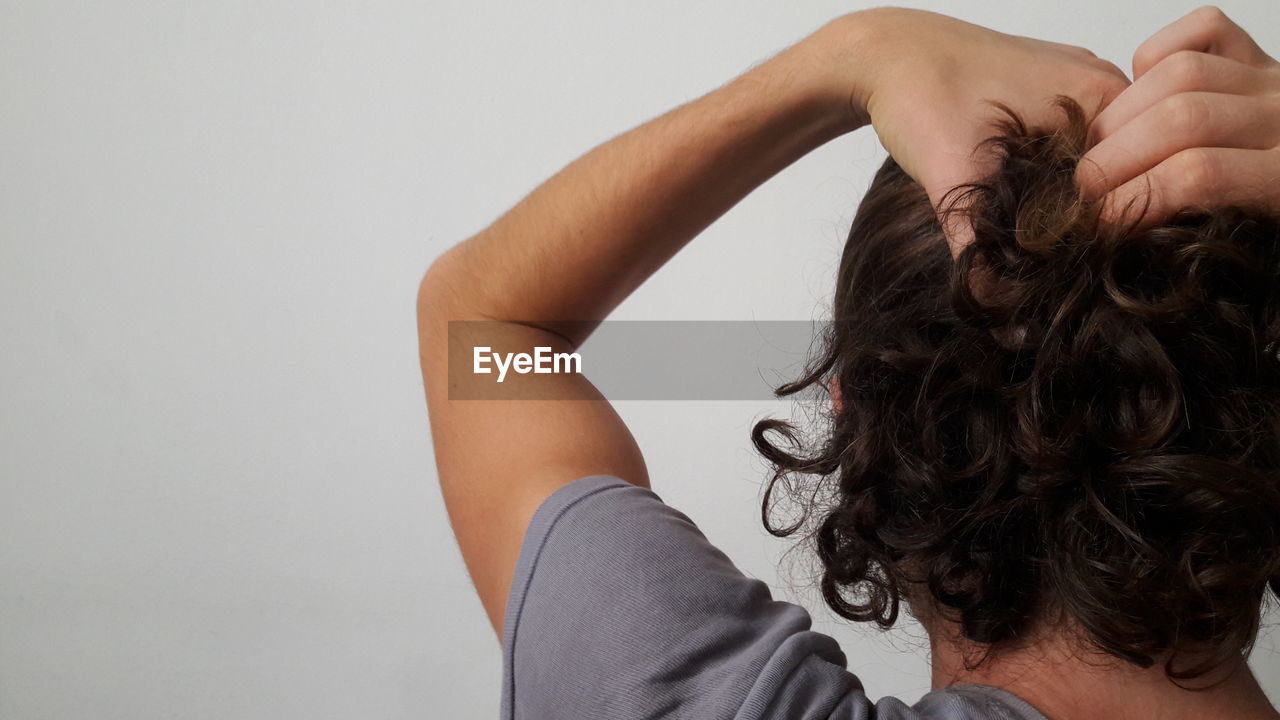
x=621 y=608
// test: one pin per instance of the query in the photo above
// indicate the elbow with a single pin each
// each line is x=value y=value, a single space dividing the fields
x=439 y=299
x=442 y=287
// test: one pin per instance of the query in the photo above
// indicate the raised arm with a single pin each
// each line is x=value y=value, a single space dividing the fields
x=569 y=252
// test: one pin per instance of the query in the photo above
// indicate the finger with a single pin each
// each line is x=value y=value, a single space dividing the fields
x=958 y=231
x=1182 y=72
x=1175 y=124
x=1206 y=30
x=1200 y=179
x=1091 y=58
x=1101 y=89
x=1111 y=69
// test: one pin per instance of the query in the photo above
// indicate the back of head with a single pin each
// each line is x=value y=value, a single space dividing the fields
x=1072 y=422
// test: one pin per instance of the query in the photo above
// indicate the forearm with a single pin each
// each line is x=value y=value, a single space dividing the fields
x=586 y=238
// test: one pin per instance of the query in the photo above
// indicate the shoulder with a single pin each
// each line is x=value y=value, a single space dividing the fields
x=620 y=607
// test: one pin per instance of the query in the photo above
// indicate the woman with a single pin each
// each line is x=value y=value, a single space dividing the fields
x=611 y=604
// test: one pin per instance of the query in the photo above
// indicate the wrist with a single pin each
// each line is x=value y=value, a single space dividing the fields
x=826 y=73
x=847 y=61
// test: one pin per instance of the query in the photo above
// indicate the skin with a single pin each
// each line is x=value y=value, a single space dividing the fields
x=1196 y=129
x=1064 y=679
x=555 y=264
x=935 y=78
x=1066 y=684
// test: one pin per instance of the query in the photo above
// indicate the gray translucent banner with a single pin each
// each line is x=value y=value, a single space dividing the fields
x=630 y=360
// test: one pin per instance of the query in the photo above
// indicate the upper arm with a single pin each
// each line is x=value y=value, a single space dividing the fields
x=498 y=459
x=622 y=608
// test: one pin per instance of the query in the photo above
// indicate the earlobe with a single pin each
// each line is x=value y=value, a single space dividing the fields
x=833 y=389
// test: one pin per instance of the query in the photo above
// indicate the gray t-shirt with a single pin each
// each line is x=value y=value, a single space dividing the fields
x=621 y=608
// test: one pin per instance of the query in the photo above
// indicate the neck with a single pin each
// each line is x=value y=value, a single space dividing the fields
x=1064 y=685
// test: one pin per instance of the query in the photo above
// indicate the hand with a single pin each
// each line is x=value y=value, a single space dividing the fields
x=1199 y=127
x=925 y=80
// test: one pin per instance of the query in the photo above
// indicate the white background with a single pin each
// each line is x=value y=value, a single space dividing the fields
x=217 y=495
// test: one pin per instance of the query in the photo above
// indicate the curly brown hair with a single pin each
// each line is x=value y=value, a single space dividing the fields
x=1093 y=434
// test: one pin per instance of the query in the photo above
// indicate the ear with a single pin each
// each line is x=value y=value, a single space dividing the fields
x=833 y=389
